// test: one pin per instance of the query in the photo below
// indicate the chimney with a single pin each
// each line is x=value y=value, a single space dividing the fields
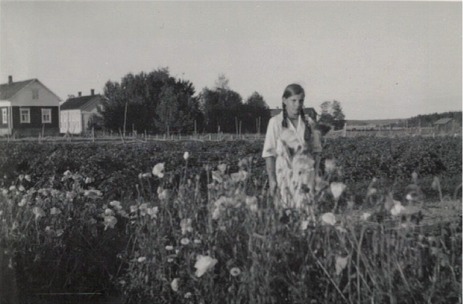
x=79 y=94
x=10 y=79
x=93 y=92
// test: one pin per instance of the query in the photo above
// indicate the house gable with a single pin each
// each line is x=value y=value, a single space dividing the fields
x=83 y=103
x=29 y=93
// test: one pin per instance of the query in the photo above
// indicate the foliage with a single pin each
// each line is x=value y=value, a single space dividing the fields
x=115 y=167
x=332 y=114
x=139 y=99
x=428 y=120
x=224 y=110
x=201 y=227
x=61 y=229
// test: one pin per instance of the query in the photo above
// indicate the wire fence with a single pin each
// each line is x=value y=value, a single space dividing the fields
x=100 y=136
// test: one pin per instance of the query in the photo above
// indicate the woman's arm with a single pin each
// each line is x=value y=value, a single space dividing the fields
x=271 y=172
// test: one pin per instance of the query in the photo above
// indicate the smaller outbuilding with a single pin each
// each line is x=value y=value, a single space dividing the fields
x=77 y=112
x=444 y=125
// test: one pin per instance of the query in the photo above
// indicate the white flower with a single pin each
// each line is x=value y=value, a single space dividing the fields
x=158 y=170
x=203 y=264
x=116 y=205
x=337 y=189
x=109 y=221
x=251 y=202
x=185 y=241
x=197 y=241
x=28 y=177
x=169 y=247
x=174 y=284
x=341 y=263
x=222 y=167
x=330 y=165
x=366 y=216
x=133 y=208
x=54 y=211
x=328 y=218
x=94 y=194
x=108 y=212
x=38 y=212
x=371 y=191
x=141 y=259
x=67 y=173
x=21 y=188
x=397 y=209
x=152 y=212
x=163 y=194
x=185 y=225
x=12 y=188
x=239 y=176
x=216 y=213
x=143 y=209
x=186 y=155
x=188 y=295
x=88 y=180
x=304 y=225
x=217 y=176
x=235 y=271
x=23 y=202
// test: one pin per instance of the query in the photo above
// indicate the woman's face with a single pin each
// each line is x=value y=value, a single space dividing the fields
x=294 y=105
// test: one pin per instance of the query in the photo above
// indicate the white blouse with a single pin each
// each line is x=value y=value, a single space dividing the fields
x=275 y=129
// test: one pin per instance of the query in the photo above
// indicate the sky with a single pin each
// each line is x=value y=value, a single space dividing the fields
x=380 y=60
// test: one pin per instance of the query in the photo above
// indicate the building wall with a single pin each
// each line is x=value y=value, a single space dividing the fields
x=71 y=121
x=35 y=126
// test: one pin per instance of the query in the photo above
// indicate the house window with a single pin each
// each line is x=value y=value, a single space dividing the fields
x=35 y=93
x=46 y=115
x=25 y=115
x=5 y=116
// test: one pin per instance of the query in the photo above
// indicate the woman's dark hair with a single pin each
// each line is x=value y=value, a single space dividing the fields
x=290 y=90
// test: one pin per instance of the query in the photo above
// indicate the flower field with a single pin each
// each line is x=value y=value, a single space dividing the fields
x=192 y=222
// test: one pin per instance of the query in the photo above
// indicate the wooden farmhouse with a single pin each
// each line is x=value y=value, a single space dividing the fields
x=76 y=112
x=28 y=108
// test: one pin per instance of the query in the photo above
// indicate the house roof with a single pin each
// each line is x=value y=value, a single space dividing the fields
x=443 y=121
x=8 y=90
x=75 y=103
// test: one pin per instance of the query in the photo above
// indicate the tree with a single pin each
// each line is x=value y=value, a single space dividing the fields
x=137 y=98
x=222 y=82
x=178 y=111
x=256 y=114
x=332 y=114
x=221 y=106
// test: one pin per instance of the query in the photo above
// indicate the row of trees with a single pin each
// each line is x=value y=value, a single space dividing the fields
x=428 y=120
x=156 y=102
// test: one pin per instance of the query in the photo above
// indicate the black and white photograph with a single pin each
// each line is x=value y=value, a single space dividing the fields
x=213 y=152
